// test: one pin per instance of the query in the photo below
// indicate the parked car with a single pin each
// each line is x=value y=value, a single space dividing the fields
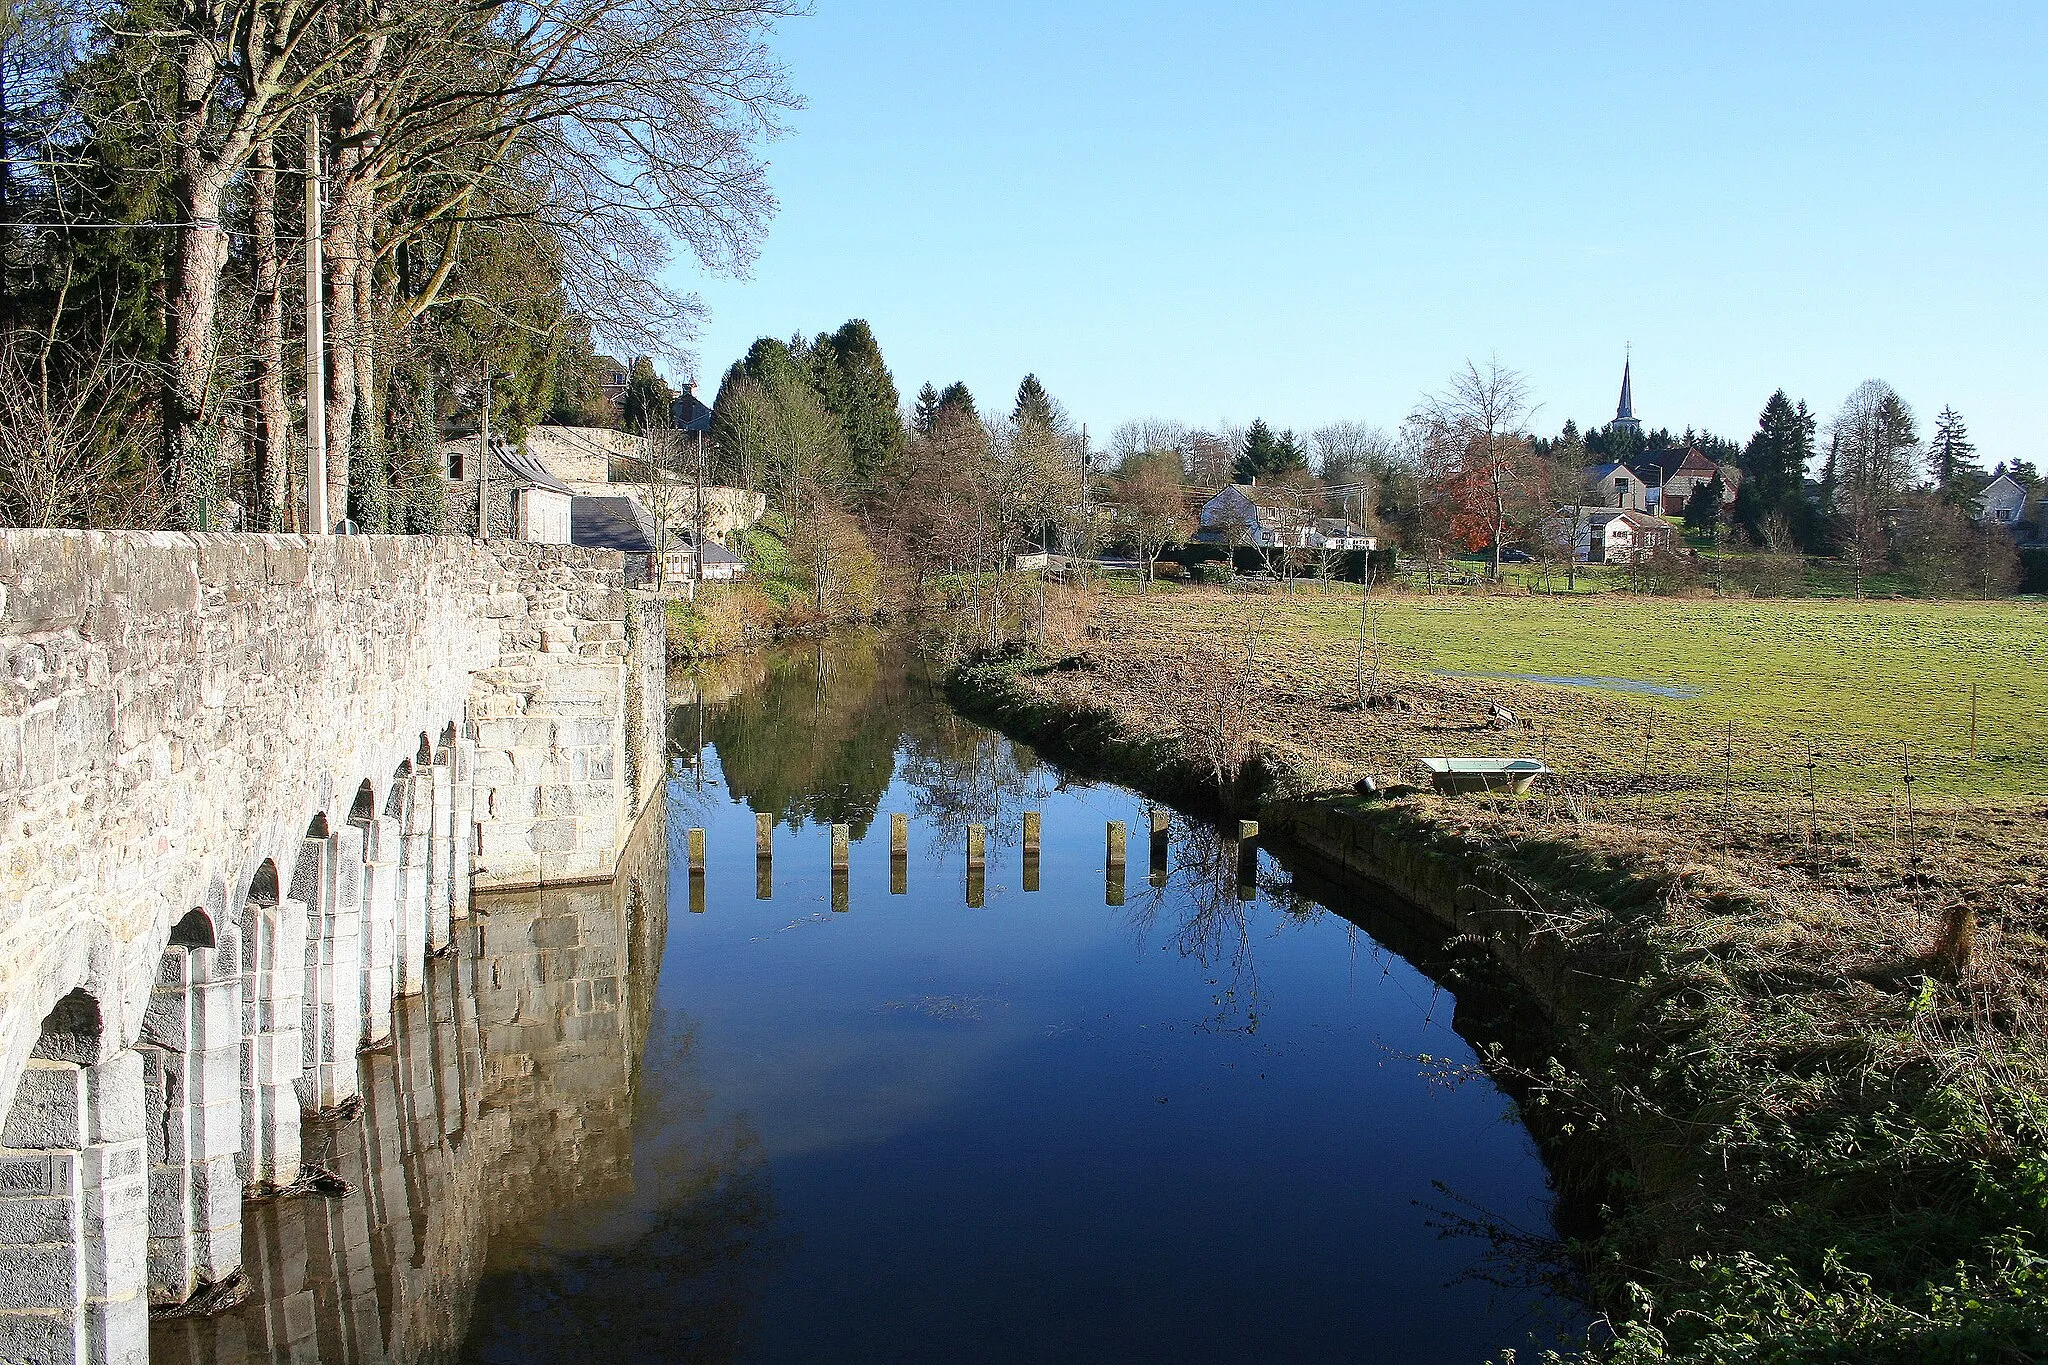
x=1515 y=556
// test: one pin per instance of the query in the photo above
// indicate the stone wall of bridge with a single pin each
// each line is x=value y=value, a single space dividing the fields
x=246 y=785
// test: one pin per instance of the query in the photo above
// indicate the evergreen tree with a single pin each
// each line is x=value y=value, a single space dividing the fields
x=927 y=414
x=955 y=398
x=857 y=388
x=1957 y=477
x=1034 y=404
x=647 y=400
x=1267 y=456
x=1703 y=508
x=1773 y=467
x=1569 y=449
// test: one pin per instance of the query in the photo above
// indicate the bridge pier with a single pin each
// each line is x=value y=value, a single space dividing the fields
x=273 y=1048
x=330 y=874
x=380 y=925
x=191 y=1055
x=440 y=848
x=74 y=1216
x=413 y=793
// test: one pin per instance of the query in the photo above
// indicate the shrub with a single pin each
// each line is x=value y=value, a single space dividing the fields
x=1213 y=571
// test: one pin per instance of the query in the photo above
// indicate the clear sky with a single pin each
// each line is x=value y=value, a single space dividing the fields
x=1314 y=211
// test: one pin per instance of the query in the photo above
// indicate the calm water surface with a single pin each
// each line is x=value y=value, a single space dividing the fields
x=770 y=1118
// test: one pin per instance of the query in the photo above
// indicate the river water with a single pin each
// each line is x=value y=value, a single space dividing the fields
x=1201 y=1112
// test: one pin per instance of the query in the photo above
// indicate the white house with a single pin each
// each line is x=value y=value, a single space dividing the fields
x=1616 y=485
x=1258 y=518
x=1609 y=535
x=2004 y=501
x=1339 y=533
x=527 y=501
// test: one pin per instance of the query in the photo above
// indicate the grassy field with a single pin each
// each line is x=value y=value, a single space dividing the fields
x=1850 y=682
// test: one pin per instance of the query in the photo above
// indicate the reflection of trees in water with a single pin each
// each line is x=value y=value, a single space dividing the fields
x=675 y=1276
x=815 y=740
x=1212 y=924
x=964 y=774
x=818 y=736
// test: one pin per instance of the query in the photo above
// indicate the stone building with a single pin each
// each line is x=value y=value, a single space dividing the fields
x=527 y=501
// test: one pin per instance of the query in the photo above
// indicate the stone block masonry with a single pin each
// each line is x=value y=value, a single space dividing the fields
x=246 y=782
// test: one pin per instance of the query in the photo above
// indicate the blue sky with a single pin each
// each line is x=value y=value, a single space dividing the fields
x=1315 y=211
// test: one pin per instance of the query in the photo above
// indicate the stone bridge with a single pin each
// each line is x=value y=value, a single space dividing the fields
x=247 y=783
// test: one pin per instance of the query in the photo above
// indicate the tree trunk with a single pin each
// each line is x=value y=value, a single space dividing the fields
x=273 y=412
x=340 y=249
x=194 y=300
x=376 y=474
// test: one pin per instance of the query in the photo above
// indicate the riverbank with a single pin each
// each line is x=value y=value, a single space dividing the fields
x=1800 y=1077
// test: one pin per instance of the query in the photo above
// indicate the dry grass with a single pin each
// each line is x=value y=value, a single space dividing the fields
x=1825 y=830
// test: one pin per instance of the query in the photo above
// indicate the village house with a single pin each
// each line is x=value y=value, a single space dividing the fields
x=527 y=502
x=720 y=564
x=1694 y=471
x=1257 y=518
x=2003 y=501
x=1609 y=535
x=1617 y=485
x=619 y=522
x=1339 y=533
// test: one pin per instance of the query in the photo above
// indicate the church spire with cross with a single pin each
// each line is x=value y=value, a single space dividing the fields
x=1625 y=413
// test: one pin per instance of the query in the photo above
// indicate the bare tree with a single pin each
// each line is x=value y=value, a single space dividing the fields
x=1152 y=508
x=1876 y=450
x=1149 y=436
x=65 y=419
x=1475 y=437
x=1211 y=458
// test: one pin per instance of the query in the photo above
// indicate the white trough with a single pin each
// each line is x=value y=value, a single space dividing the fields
x=1456 y=776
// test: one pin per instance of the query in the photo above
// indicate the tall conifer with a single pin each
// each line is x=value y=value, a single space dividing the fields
x=1034 y=404
x=1956 y=474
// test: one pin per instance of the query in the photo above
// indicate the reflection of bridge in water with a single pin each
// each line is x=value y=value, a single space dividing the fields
x=504 y=1093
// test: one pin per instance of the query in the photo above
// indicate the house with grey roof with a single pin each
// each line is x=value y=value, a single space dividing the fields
x=1617 y=485
x=526 y=501
x=621 y=523
x=2003 y=501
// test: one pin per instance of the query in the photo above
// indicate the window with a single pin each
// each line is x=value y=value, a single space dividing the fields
x=2005 y=514
x=455 y=465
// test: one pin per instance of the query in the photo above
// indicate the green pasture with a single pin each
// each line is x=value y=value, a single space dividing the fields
x=1853 y=678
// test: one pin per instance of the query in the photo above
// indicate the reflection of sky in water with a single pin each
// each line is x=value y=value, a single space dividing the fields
x=1185 y=1128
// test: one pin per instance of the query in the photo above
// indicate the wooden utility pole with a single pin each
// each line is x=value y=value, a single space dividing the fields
x=483 y=467
x=317 y=522
x=697 y=540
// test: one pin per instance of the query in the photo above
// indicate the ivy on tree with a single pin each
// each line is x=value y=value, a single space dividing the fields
x=648 y=398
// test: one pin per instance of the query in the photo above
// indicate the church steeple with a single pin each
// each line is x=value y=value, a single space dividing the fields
x=1625 y=413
